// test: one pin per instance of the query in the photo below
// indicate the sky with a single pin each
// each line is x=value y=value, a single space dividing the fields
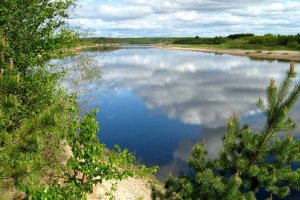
x=158 y=18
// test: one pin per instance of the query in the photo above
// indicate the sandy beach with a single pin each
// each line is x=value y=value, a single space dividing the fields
x=263 y=54
x=277 y=54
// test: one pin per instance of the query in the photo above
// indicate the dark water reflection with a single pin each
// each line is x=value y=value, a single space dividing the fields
x=165 y=101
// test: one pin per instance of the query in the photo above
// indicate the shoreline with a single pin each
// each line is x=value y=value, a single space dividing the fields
x=80 y=48
x=286 y=55
x=130 y=188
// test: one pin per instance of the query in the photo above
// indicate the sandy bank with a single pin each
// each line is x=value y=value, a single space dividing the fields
x=128 y=189
x=134 y=188
x=277 y=54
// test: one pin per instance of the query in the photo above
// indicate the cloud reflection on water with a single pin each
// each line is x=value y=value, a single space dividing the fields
x=192 y=87
x=196 y=89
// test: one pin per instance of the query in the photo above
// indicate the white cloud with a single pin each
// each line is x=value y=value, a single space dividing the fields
x=113 y=13
x=135 y=18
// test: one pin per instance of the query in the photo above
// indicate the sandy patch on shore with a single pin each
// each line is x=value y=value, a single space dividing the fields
x=128 y=189
x=278 y=55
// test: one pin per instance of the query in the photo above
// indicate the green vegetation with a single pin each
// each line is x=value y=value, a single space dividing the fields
x=251 y=161
x=247 y=41
x=234 y=41
x=39 y=119
x=146 y=40
x=198 y=40
x=242 y=35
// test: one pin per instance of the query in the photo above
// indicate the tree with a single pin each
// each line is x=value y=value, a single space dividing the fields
x=33 y=31
x=241 y=35
x=38 y=118
x=34 y=111
x=249 y=161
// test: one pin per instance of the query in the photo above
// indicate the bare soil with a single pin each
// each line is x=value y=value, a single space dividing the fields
x=128 y=189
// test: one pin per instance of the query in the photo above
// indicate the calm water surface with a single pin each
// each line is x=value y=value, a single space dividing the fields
x=161 y=102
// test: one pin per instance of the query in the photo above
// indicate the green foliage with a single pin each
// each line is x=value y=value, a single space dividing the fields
x=198 y=40
x=33 y=116
x=107 y=40
x=33 y=31
x=249 y=161
x=276 y=40
x=242 y=35
x=38 y=119
x=234 y=41
x=33 y=111
x=246 y=41
x=91 y=163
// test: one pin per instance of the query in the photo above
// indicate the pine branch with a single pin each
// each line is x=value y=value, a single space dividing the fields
x=293 y=97
x=283 y=89
x=271 y=94
x=261 y=106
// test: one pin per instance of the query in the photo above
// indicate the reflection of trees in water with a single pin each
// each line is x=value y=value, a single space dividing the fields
x=84 y=73
x=178 y=165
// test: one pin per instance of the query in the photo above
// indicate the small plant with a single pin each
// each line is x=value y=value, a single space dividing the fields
x=113 y=189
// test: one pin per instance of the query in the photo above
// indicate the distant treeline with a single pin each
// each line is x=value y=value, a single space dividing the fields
x=243 y=41
x=143 y=40
x=198 y=40
x=246 y=40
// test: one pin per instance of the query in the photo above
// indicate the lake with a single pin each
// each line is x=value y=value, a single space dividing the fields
x=159 y=103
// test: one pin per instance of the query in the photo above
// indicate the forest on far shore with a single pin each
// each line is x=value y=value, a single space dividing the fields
x=240 y=41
